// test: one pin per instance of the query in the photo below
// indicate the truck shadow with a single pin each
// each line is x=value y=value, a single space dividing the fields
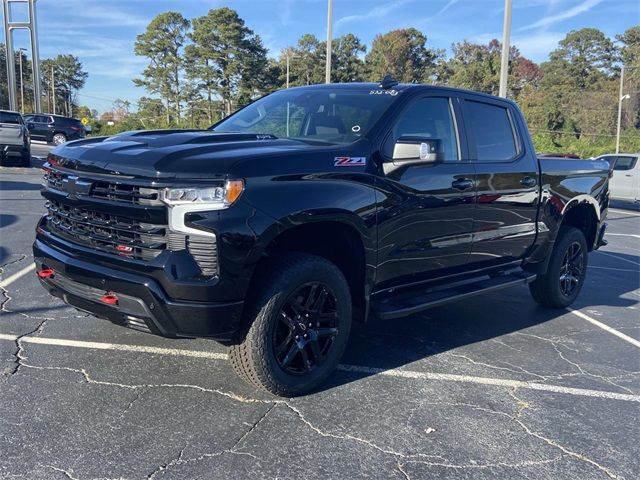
x=6 y=185
x=396 y=343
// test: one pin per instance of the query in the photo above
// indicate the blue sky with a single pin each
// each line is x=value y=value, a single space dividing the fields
x=102 y=34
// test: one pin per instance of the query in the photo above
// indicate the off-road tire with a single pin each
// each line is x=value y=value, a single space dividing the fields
x=546 y=288
x=252 y=354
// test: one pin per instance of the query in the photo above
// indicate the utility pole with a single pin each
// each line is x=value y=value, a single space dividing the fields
x=20 y=50
x=9 y=26
x=506 y=37
x=53 y=91
x=621 y=97
x=327 y=71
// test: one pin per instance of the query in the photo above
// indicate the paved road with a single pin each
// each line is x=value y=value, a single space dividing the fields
x=493 y=387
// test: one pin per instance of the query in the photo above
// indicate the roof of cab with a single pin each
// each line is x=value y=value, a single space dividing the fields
x=398 y=87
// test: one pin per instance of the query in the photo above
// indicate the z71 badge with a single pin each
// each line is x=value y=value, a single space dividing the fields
x=350 y=161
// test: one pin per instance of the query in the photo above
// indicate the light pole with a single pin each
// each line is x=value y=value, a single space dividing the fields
x=327 y=69
x=288 y=56
x=621 y=97
x=20 y=50
x=506 y=37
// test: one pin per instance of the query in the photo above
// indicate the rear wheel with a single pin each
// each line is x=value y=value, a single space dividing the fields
x=301 y=321
x=59 y=138
x=560 y=285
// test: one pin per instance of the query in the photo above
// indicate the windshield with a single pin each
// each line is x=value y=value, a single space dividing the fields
x=333 y=116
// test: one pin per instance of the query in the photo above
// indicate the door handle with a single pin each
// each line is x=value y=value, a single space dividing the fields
x=462 y=184
x=528 y=182
x=628 y=175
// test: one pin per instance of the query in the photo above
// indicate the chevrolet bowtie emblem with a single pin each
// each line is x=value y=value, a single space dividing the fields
x=74 y=186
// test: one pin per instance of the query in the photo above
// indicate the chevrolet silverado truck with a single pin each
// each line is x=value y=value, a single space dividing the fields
x=311 y=208
x=15 y=142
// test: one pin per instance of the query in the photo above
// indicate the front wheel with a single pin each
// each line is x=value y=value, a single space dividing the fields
x=301 y=317
x=59 y=138
x=560 y=285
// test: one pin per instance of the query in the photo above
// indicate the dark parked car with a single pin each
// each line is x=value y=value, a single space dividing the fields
x=310 y=208
x=14 y=139
x=55 y=129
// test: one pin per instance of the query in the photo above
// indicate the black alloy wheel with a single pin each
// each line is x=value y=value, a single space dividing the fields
x=571 y=269
x=308 y=325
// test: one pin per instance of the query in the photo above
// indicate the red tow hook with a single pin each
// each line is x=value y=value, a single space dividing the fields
x=46 y=273
x=109 y=299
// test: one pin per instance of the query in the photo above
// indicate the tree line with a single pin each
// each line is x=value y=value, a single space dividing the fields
x=202 y=69
x=62 y=77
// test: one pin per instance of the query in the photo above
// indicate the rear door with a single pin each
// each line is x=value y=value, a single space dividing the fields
x=624 y=183
x=507 y=189
x=40 y=127
x=425 y=216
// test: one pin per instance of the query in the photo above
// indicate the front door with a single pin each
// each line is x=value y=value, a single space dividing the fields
x=425 y=219
x=507 y=183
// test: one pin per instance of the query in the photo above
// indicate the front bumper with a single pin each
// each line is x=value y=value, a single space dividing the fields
x=143 y=303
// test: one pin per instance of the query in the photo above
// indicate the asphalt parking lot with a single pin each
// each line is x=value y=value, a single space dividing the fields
x=493 y=387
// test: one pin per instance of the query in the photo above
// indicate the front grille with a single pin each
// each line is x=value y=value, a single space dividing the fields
x=117 y=233
x=107 y=232
x=115 y=192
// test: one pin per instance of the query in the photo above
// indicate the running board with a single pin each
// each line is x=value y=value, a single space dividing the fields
x=407 y=303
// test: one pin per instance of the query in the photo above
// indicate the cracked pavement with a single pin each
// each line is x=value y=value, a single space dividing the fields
x=102 y=413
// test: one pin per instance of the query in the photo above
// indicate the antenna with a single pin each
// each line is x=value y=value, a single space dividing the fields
x=387 y=82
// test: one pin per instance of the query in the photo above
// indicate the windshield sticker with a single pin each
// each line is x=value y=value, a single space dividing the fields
x=355 y=128
x=350 y=161
x=393 y=93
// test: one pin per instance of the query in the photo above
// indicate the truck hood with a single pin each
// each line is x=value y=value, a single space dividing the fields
x=166 y=154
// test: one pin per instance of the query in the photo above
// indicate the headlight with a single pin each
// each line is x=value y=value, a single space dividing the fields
x=221 y=196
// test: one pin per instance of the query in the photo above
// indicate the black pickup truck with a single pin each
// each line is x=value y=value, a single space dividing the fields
x=310 y=208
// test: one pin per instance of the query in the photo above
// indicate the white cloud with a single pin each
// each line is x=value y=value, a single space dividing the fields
x=373 y=12
x=549 y=20
x=449 y=4
x=537 y=47
x=98 y=15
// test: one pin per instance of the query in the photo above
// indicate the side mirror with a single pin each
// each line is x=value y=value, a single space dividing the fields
x=414 y=151
x=30 y=126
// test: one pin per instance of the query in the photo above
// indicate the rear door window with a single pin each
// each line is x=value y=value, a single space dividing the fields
x=492 y=131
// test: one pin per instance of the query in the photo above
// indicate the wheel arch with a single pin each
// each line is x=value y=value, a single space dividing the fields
x=583 y=213
x=337 y=238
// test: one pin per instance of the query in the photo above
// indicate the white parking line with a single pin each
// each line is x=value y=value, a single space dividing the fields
x=607 y=328
x=19 y=274
x=616 y=269
x=618 y=258
x=394 y=372
x=623 y=235
x=625 y=212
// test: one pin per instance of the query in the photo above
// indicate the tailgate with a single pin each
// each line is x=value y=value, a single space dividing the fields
x=10 y=134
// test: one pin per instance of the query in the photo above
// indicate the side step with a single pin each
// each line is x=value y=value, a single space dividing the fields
x=409 y=302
